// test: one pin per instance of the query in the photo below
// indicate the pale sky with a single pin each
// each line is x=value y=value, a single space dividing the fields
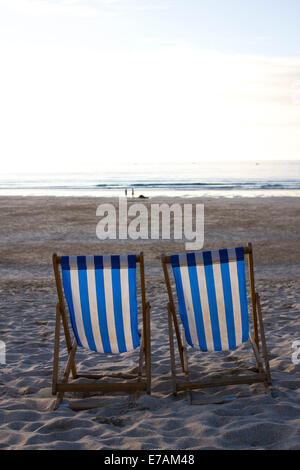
x=86 y=83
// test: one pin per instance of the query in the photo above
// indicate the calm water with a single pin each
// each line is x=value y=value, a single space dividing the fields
x=218 y=179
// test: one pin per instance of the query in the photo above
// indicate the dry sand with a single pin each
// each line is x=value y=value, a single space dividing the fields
x=32 y=228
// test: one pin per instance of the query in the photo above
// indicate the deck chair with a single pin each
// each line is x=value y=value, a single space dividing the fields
x=101 y=294
x=212 y=299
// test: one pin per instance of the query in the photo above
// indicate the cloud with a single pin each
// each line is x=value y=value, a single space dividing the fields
x=42 y=8
x=80 y=8
x=73 y=104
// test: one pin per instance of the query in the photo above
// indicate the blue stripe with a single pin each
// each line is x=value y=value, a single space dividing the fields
x=101 y=304
x=65 y=267
x=211 y=293
x=84 y=300
x=191 y=259
x=131 y=261
x=180 y=296
x=117 y=297
x=240 y=254
x=228 y=298
x=175 y=261
x=133 y=300
x=100 y=294
x=242 y=290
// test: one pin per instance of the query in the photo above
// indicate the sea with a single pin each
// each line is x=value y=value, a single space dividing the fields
x=186 y=179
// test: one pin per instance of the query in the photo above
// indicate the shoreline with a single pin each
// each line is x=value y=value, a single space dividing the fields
x=249 y=194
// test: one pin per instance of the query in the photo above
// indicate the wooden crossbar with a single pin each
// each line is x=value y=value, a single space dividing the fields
x=167 y=259
x=138 y=259
x=101 y=387
x=222 y=382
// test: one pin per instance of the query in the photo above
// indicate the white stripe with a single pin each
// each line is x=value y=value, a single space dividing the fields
x=90 y=272
x=109 y=304
x=125 y=302
x=76 y=300
x=184 y=271
x=204 y=301
x=220 y=299
x=234 y=281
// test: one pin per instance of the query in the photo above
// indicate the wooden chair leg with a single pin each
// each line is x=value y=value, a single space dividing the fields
x=59 y=287
x=258 y=361
x=141 y=359
x=259 y=365
x=148 y=349
x=263 y=340
x=56 y=351
x=66 y=375
x=172 y=309
x=178 y=337
x=58 y=401
x=252 y=288
x=186 y=368
x=69 y=347
x=140 y=366
x=172 y=351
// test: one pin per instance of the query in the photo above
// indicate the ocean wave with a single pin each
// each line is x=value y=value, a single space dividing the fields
x=153 y=185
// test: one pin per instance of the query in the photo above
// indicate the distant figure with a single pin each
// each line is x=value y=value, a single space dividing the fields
x=126 y=192
x=132 y=192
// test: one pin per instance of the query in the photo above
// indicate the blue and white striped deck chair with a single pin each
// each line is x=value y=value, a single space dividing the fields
x=101 y=294
x=212 y=300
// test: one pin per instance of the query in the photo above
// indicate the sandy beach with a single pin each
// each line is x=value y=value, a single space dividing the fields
x=32 y=228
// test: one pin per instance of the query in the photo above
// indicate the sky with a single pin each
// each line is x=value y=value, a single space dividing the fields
x=90 y=83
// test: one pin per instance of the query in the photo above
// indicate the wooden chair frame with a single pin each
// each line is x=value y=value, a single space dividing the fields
x=60 y=387
x=263 y=372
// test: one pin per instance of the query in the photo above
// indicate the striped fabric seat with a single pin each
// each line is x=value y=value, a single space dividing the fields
x=101 y=295
x=211 y=291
